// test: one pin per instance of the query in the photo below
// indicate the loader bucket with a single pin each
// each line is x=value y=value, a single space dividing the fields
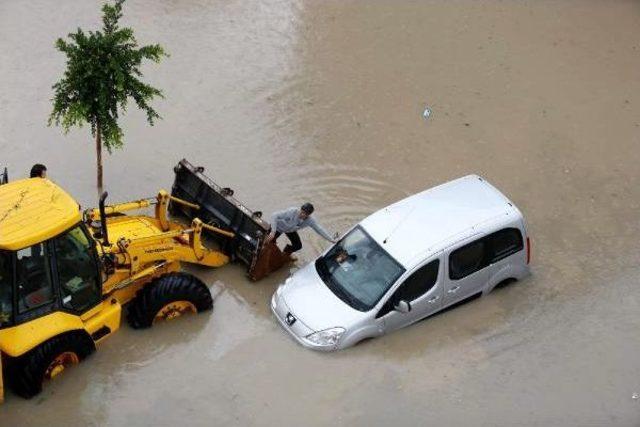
x=218 y=207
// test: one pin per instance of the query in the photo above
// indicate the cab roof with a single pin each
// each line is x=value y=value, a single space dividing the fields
x=33 y=210
x=433 y=219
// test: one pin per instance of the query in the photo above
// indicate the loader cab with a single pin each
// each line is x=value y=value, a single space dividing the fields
x=48 y=260
x=59 y=274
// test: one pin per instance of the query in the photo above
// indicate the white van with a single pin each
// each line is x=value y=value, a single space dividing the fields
x=405 y=262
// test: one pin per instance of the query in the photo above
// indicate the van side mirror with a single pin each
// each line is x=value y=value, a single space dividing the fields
x=402 y=306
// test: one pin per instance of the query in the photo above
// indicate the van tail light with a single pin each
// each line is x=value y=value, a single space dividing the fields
x=528 y=250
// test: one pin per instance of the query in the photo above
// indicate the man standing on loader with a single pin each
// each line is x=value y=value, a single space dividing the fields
x=291 y=220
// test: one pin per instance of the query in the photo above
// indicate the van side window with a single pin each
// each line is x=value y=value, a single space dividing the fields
x=467 y=260
x=504 y=243
x=416 y=285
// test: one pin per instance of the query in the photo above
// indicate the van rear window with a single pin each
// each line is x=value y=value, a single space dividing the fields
x=490 y=249
x=504 y=243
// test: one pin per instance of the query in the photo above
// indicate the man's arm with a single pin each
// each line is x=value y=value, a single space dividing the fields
x=320 y=230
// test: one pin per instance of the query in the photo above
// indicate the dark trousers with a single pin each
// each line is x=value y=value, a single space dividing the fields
x=294 y=238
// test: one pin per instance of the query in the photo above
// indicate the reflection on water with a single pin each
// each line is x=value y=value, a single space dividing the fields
x=289 y=101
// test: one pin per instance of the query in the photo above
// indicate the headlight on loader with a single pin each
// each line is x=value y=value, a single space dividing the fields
x=326 y=338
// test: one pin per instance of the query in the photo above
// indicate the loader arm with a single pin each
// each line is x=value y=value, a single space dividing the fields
x=141 y=247
x=161 y=202
x=178 y=244
x=165 y=236
x=139 y=258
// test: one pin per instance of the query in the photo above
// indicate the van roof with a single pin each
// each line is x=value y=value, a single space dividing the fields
x=433 y=219
x=33 y=210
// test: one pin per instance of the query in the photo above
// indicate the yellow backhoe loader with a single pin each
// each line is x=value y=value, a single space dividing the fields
x=65 y=275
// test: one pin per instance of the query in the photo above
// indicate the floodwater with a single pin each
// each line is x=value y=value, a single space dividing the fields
x=287 y=101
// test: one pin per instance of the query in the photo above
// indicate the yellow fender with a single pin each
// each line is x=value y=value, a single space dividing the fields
x=20 y=339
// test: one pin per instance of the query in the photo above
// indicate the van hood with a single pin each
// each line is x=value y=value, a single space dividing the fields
x=314 y=304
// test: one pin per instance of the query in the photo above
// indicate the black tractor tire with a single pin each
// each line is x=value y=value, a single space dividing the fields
x=163 y=291
x=28 y=372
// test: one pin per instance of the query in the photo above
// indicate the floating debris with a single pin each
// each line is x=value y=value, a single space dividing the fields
x=426 y=113
x=635 y=396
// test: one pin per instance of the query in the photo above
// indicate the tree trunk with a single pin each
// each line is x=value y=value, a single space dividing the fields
x=99 y=160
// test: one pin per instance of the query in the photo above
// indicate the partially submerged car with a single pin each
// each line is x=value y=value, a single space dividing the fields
x=405 y=262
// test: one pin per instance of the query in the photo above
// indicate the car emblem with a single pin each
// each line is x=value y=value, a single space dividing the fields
x=290 y=319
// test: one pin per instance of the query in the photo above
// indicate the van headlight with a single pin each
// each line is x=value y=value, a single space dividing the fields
x=327 y=337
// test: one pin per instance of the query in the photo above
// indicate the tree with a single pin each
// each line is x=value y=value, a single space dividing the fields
x=103 y=72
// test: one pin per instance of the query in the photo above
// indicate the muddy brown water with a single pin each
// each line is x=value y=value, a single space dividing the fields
x=288 y=101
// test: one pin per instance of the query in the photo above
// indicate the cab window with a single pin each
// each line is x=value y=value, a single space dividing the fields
x=504 y=243
x=35 y=287
x=418 y=283
x=6 y=286
x=415 y=286
x=467 y=260
x=77 y=270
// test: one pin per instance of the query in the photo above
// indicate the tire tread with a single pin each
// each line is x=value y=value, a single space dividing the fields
x=163 y=290
x=27 y=371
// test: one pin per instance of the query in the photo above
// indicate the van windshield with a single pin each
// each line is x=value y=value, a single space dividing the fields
x=358 y=270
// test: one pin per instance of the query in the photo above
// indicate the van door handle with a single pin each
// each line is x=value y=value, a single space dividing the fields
x=453 y=290
x=432 y=300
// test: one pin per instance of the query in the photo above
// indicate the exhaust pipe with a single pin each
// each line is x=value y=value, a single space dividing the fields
x=4 y=177
x=103 y=219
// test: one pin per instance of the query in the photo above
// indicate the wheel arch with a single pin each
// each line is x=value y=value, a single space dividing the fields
x=20 y=339
x=361 y=334
x=502 y=284
x=30 y=371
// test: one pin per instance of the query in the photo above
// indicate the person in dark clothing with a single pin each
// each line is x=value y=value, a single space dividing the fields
x=38 y=171
x=344 y=256
x=343 y=260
